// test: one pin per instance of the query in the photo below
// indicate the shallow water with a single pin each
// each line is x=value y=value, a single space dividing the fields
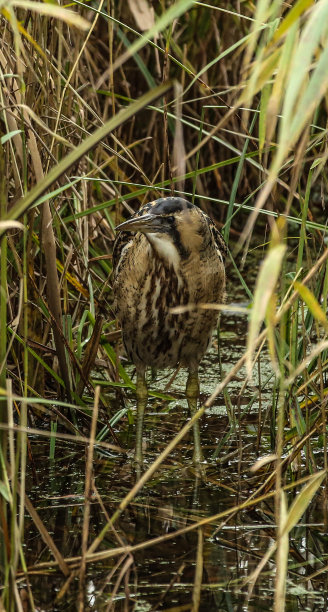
x=161 y=576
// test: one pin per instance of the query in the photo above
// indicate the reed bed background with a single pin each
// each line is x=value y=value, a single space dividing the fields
x=103 y=107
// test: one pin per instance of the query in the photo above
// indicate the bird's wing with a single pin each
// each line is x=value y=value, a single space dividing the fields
x=217 y=238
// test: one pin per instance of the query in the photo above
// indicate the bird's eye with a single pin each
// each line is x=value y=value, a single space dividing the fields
x=170 y=218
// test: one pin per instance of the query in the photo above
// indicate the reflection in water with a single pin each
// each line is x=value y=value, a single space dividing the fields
x=163 y=575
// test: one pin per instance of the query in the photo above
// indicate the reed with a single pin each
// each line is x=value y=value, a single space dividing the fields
x=102 y=108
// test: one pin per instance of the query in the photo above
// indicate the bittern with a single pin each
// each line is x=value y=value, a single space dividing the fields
x=168 y=254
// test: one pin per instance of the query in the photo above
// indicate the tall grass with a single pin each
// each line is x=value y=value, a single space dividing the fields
x=104 y=107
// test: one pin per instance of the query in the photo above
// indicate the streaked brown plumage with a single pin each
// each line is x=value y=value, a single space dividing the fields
x=174 y=257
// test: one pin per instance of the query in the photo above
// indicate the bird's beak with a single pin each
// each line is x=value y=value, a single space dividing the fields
x=146 y=224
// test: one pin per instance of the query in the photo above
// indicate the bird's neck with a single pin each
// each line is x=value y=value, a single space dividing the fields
x=165 y=249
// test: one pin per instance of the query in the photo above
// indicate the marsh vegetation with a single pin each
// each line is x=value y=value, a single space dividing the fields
x=104 y=107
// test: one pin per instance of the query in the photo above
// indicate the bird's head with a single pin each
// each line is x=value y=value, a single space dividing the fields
x=173 y=226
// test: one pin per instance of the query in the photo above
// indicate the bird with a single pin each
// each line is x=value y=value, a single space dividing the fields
x=168 y=254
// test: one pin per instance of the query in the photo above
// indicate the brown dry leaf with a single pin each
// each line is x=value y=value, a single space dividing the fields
x=142 y=13
x=179 y=152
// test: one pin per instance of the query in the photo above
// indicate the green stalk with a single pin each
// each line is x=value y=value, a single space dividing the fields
x=3 y=350
x=294 y=325
x=279 y=450
x=22 y=435
x=21 y=446
x=226 y=229
x=3 y=286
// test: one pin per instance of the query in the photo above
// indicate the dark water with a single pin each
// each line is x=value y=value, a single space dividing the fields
x=161 y=576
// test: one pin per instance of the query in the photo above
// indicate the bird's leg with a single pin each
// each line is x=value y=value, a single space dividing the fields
x=192 y=394
x=142 y=396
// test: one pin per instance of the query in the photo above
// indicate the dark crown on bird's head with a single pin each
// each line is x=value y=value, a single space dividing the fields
x=166 y=206
x=178 y=221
